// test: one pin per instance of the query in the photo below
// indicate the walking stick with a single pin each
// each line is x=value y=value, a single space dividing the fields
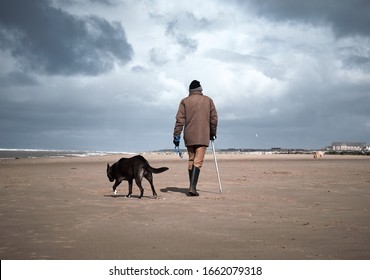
x=218 y=173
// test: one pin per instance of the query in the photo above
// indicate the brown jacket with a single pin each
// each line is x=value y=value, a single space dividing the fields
x=198 y=116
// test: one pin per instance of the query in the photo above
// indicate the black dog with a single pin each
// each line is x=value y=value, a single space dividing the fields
x=129 y=169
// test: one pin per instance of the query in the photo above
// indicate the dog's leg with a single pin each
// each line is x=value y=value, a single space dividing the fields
x=138 y=183
x=149 y=177
x=116 y=183
x=129 y=188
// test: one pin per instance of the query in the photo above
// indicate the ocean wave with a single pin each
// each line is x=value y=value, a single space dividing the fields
x=43 y=153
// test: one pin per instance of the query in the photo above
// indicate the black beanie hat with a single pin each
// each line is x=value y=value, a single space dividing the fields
x=194 y=84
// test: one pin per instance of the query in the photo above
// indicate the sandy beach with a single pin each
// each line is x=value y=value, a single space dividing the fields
x=272 y=207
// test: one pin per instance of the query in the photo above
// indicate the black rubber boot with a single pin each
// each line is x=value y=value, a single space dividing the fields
x=193 y=181
x=190 y=173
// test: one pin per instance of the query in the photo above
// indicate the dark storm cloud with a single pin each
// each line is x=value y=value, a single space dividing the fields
x=69 y=119
x=50 y=41
x=345 y=17
x=357 y=61
x=17 y=78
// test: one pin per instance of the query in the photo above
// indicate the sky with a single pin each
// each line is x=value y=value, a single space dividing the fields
x=109 y=75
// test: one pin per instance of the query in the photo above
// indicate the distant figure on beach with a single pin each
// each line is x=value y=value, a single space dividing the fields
x=318 y=154
x=197 y=115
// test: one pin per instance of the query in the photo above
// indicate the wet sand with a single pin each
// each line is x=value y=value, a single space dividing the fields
x=272 y=207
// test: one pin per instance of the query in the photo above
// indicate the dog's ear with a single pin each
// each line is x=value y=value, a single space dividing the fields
x=108 y=166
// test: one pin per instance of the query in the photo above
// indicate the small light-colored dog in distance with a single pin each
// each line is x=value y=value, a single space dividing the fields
x=318 y=154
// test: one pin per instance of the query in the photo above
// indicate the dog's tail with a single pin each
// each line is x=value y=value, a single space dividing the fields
x=157 y=170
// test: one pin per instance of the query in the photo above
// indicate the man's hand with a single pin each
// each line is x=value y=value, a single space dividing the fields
x=176 y=140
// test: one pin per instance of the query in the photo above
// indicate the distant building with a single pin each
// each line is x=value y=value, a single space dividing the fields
x=349 y=146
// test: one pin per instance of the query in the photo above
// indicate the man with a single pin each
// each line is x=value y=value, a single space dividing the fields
x=197 y=115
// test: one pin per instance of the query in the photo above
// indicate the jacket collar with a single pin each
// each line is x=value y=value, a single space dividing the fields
x=197 y=91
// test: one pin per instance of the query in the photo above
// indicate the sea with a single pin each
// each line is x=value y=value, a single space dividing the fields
x=36 y=153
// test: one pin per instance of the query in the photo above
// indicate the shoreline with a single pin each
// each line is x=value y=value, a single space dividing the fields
x=15 y=154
